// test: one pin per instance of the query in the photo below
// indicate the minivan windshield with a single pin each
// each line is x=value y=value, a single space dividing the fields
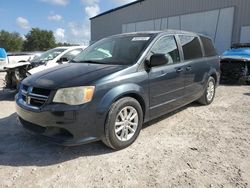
x=49 y=55
x=121 y=50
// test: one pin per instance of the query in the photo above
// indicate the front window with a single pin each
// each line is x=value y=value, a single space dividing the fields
x=49 y=55
x=167 y=46
x=122 y=50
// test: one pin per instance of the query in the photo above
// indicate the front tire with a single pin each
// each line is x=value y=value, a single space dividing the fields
x=123 y=123
x=209 y=93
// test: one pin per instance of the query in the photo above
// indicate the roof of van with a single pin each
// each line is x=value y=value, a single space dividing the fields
x=70 y=47
x=169 y=31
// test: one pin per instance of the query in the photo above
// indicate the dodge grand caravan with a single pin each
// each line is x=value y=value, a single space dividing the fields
x=109 y=90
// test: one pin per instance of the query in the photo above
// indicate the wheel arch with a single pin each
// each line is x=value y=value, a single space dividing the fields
x=127 y=90
x=137 y=97
x=213 y=73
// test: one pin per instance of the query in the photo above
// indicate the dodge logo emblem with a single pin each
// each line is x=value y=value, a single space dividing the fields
x=28 y=98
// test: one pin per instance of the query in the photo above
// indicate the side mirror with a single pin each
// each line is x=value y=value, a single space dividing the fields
x=158 y=60
x=63 y=60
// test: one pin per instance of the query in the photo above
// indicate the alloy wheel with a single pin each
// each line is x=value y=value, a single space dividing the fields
x=210 y=91
x=126 y=123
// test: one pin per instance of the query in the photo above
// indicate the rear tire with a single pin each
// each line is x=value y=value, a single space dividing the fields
x=209 y=93
x=123 y=124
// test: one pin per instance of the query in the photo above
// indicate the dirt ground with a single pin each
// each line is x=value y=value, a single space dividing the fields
x=197 y=146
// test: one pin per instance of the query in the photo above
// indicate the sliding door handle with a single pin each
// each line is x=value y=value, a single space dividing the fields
x=179 y=70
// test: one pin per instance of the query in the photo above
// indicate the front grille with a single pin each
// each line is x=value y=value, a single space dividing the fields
x=34 y=96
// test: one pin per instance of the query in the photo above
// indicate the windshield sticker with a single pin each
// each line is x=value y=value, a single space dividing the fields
x=140 y=38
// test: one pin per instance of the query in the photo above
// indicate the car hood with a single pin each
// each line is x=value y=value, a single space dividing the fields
x=239 y=53
x=70 y=75
x=41 y=67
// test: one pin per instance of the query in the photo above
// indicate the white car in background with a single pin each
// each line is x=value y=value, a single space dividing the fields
x=54 y=57
x=21 y=57
x=18 y=71
x=18 y=59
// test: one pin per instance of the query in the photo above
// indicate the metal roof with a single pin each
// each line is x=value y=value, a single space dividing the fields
x=115 y=9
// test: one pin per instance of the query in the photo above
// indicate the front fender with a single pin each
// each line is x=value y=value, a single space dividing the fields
x=117 y=92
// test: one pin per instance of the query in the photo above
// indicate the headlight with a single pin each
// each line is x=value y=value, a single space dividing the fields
x=74 y=95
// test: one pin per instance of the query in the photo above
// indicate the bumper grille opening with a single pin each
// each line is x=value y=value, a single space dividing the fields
x=52 y=132
x=58 y=133
x=37 y=102
x=32 y=127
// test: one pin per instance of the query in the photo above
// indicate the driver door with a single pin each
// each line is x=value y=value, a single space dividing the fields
x=166 y=82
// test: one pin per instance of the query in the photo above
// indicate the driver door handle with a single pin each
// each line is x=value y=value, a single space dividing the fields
x=189 y=68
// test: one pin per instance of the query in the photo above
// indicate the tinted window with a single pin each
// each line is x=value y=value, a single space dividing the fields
x=208 y=47
x=167 y=45
x=191 y=47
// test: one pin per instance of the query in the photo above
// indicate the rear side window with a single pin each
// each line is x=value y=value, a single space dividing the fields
x=208 y=47
x=191 y=47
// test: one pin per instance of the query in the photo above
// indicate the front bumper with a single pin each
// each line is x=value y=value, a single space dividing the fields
x=61 y=125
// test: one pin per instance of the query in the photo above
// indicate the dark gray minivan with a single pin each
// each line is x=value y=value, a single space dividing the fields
x=117 y=84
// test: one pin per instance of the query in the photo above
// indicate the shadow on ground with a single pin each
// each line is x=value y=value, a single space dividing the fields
x=20 y=148
x=7 y=95
x=247 y=94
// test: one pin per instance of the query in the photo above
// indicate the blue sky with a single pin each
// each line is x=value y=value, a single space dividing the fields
x=68 y=19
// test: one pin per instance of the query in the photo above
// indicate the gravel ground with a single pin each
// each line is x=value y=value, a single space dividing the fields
x=197 y=146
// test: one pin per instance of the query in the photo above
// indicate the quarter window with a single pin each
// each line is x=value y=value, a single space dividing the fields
x=191 y=47
x=208 y=47
x=167 y=45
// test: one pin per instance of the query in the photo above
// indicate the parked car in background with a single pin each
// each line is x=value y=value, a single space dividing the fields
x=114 y=86
x=235 y=65
x=16 y=72
x=3 y=58
x=20 y=57
x=54 y=57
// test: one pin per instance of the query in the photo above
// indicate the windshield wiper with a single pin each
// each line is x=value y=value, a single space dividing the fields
x=89 y=61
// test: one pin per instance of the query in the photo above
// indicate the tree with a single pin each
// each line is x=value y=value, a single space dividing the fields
x=39 y=40
x=12 y=42
x=66 y=44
